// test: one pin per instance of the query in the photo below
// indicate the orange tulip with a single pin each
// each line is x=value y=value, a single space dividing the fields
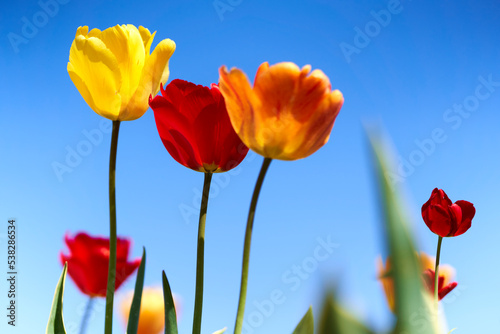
x=152 y=314
x=289 y=112
x=446 y=274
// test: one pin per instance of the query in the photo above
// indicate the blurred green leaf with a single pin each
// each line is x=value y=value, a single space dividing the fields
x=135 y=308
x=306 y=325
x=170 y=316
x=335 y=320
x=220 y=331
x=412 y=307
x=56 y=321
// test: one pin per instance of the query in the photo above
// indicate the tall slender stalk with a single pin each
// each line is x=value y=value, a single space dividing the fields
x=436 y=271
x=110 y=291
x=246 y=249
x=200 y=257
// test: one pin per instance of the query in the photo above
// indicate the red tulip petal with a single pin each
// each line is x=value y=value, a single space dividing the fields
x=444 y=291
x=438 y=220
x=182 y=155
x=124 y=270
x=83 y=246
x=88 y=262
x=456 y=218
x=122 y=249
x=207 y=126
x=89 y=277
x=184 y=87
x=468 y=212
x=441 y=198
x=194 y=126
x=440 y=282
x=175 y=130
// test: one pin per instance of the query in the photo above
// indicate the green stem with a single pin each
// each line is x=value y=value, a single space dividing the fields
x=86 y=315
x=198 y=299
x=110 y=291
x=246 y=248
x=436 y=271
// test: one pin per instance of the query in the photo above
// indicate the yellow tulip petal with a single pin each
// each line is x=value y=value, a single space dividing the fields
x=81 y=86
x=94 y=33
x=125 y=42
x=155 y=71
x=147 y=39
x=95 y=72
x=82 y=31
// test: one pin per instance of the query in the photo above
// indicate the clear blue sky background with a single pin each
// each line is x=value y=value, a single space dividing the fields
x=407 y=73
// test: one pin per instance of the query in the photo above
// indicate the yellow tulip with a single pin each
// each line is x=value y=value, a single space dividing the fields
x=152 y=314
x=114 y=71
x=426 y=262
x=289 y=112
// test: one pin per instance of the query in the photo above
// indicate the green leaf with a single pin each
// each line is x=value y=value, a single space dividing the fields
x=411 y=302
x=170 y=316
x=56 y=321
x=335 y=320
x=306 y=325
x=135 y=308
x=220 y=331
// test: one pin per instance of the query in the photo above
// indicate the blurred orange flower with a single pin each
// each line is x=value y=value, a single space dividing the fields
x=152 y=314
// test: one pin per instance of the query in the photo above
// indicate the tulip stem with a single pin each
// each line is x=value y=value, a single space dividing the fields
x=436 y=271
x=108 y=322
x=246 y=249
x=200 y=258
x=86 y=315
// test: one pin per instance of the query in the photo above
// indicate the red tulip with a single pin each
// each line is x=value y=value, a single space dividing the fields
x=88 y=262
x=443 y=290
x=445 y=218
x=194 y=126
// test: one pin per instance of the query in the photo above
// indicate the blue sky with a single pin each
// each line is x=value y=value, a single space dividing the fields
x=428 y=71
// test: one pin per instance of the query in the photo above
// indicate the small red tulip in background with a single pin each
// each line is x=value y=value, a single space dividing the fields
x=88 y=261
x=445 y=218
x=194 y=126
x=443 y=290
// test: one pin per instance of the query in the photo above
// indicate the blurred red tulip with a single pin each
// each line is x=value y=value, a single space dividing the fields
x=194 y=126
x=443 y=289
x=445 y=218
x=88 y=261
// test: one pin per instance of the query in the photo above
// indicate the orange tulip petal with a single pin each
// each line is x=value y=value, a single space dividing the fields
x=241 y=104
